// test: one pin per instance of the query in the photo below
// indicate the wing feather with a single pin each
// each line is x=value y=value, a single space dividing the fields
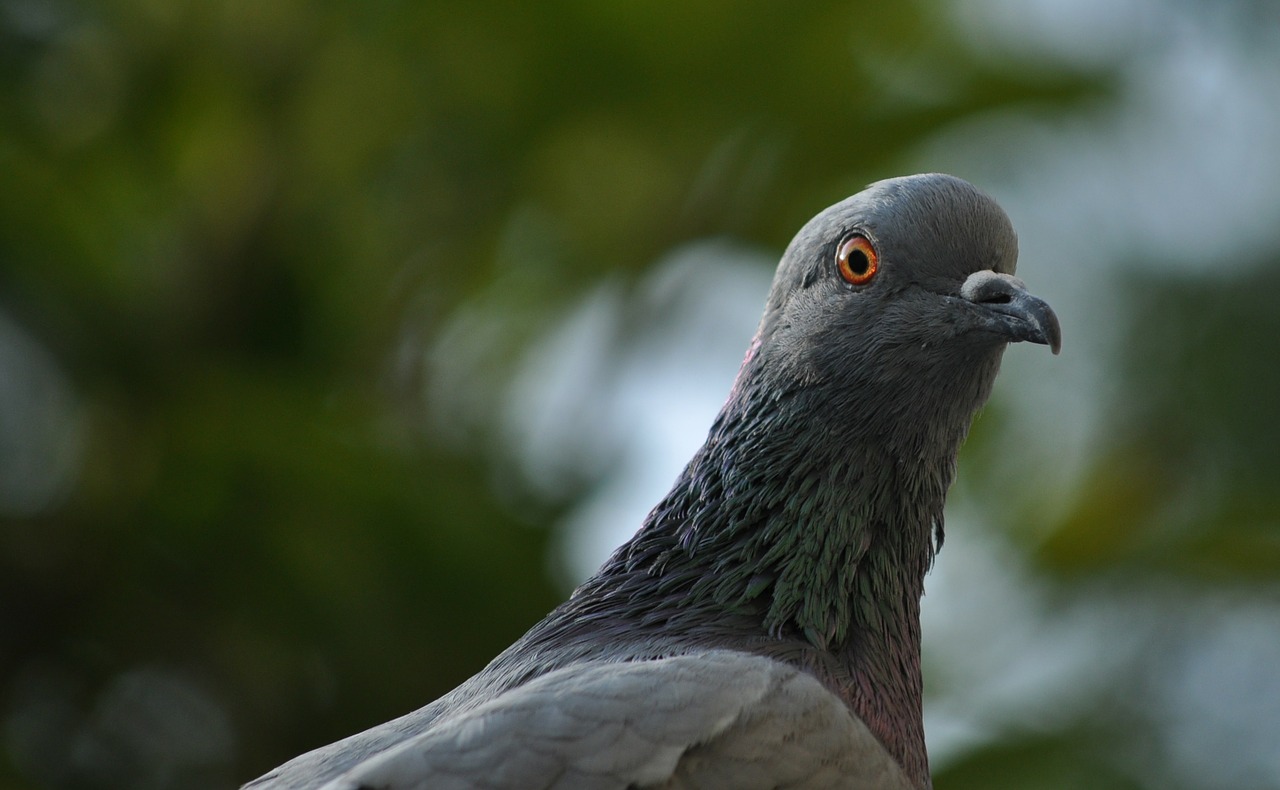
x=709 y=720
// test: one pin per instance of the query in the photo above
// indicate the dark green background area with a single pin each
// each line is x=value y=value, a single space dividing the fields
x=236 y=229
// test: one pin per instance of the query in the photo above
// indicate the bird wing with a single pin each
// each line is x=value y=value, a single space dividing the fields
x=717 y=719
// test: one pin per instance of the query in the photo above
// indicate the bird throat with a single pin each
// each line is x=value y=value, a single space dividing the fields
x=816 y=541
x=823 y=530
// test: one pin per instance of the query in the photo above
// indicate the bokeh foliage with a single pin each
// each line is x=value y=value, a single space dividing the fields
x=237 y=230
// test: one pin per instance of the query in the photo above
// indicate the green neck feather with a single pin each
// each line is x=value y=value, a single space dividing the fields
x=823 y=534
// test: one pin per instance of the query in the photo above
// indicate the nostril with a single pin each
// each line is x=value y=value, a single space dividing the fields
x=992 y=288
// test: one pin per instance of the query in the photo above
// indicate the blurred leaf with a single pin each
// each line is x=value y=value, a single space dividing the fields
x=1188 y=487
x=1037 y=761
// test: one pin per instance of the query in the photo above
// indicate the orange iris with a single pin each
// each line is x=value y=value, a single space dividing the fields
x=857 y=260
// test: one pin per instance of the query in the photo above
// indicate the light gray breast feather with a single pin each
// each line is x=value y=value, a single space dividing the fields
x=709 y=720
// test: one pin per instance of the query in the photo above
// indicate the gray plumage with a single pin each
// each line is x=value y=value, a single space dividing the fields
x=761 y=630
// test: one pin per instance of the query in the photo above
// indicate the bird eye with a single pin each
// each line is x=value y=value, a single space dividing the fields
x=857 y=260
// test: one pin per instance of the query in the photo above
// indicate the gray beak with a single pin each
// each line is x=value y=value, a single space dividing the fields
x=1012 y=310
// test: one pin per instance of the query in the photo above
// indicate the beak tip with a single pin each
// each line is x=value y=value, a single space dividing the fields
x=1020 y=315
x=1053 y=333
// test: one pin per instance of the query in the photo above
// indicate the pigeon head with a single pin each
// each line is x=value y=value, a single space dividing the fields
x=903 y=296
x=829 y=464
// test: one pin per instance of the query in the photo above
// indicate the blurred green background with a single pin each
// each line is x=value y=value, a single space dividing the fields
x=339 y=339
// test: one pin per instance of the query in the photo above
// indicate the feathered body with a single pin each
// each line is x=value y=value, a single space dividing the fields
x=802 y=530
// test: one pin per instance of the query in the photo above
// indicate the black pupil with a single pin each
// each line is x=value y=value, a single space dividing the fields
x=858 y=262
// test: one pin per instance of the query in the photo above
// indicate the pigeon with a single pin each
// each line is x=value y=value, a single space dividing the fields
x=762 y=627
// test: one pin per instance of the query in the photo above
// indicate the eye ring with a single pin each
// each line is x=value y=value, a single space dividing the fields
x=857 y=260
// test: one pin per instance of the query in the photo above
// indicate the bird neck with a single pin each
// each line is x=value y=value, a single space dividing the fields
x=826 y=529
x=816 y=538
